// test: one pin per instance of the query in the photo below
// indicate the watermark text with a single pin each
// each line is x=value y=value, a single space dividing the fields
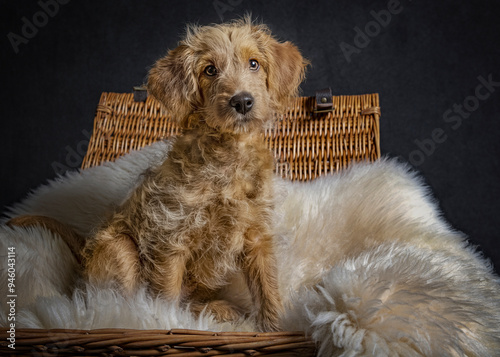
x=363 y=36
x=11 y=296
x=31 y=26
x=454 y=117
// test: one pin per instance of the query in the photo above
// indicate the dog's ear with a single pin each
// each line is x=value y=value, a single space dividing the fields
x=285 y=73
x=172 y=82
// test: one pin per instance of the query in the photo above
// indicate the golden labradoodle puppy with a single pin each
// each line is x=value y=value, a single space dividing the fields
x=204 y=215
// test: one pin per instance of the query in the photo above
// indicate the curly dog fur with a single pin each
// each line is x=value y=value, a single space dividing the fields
x=204 y=214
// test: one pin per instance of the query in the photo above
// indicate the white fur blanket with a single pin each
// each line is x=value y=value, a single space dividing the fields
x=367 y=266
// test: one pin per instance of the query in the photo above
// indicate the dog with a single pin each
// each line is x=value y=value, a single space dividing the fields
x=204 y=214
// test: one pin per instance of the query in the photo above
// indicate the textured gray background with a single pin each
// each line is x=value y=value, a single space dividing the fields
x=426 y=61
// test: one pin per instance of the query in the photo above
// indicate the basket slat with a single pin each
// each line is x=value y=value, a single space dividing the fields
x=127 y=342
x=305 y=145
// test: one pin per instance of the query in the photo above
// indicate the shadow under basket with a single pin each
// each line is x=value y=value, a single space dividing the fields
x=307 y=143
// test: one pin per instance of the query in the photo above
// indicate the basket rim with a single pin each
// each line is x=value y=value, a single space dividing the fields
x=181 y=342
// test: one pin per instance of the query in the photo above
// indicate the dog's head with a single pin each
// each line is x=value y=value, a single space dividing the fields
x=236 y=75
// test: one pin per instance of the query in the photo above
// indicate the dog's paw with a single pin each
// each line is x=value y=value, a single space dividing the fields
x=269 y=322
x=221 y=310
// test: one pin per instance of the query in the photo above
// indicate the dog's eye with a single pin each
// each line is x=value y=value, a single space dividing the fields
x=254 y=65
x=210 y=71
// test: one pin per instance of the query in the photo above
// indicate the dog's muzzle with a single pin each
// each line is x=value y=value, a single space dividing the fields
x=242 y=102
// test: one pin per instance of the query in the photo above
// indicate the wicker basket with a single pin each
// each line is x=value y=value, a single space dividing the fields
x=306 y=145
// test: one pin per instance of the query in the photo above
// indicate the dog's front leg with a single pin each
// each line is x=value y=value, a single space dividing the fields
x=167 y=275
x=112 y=256
x=260 y=269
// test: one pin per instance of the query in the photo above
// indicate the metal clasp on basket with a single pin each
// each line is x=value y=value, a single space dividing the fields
x=324 y=102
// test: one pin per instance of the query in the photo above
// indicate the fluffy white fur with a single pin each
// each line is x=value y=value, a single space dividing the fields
x=367 y=266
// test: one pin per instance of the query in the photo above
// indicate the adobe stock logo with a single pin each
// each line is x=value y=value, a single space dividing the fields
x=221 y=7
x=455 y=117
x=73 y=157
x=363 y=37
x=30 y=27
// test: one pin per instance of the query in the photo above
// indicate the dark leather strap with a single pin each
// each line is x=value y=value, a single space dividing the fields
x=140 y=94
x=324 y=100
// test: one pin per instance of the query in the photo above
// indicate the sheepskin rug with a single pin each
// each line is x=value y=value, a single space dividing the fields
x=367 y=266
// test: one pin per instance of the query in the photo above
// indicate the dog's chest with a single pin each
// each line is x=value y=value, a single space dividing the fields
x=236 y=182
x=228 y=184
x=223 y=170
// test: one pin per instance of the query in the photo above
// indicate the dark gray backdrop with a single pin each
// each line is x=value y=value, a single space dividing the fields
x=434 y=63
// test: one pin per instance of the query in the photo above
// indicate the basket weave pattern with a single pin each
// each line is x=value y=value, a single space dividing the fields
x=305 y=144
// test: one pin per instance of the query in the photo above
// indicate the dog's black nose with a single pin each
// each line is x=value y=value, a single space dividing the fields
x=242 y=102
